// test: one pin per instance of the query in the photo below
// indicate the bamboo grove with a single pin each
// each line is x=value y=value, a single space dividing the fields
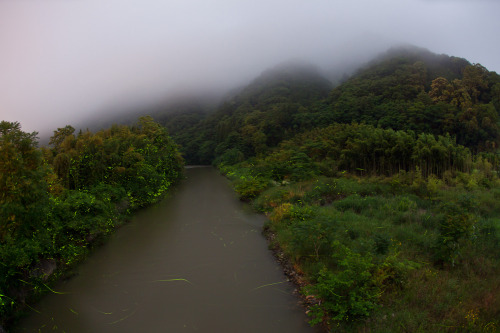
x=365 y=150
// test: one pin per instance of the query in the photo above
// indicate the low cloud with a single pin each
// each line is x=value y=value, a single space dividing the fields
x=64 y=61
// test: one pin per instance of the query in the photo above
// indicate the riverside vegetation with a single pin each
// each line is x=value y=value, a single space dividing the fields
x=379 y=253
x=381 y=192
x=56 y=202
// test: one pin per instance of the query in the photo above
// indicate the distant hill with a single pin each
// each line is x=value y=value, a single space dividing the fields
x=406 y=88
x=415 y=89
x=256 y=117
x=185 y=106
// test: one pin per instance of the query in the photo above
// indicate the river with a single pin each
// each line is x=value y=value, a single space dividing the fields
x=195 y=262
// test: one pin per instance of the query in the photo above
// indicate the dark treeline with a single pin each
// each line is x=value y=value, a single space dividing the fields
x=55 y=202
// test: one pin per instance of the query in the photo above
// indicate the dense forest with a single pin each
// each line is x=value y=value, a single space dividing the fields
x=56 y=202
x=407 y=89
x=381 y=191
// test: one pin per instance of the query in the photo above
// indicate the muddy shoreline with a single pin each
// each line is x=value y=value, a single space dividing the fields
x=294 y=276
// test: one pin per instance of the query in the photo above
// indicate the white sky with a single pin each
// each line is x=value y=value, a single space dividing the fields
x=62 y=61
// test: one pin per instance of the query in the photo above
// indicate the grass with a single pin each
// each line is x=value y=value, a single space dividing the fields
x=429 y=280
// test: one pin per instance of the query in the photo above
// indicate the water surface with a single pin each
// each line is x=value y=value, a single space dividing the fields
x=196 y=262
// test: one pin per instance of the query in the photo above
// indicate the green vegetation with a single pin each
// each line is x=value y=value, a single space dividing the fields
x=420 y=91
x=55 y=203
x=398 y=253
x=407 y=89
x=382 y=192
x=384 y=196
x=258 y=117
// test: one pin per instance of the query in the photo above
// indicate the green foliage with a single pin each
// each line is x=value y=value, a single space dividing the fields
x=350 y=292
x=379 y=170
x=142 y=159
x=359 y=204
x=412 y=89
x=457 y=228
x=274 y=107
x=23 y=207
x=55 y=207
x=385 y=232
x=249 y=187
x=365 y=150
x=322 y=192
x=23 y=195
x=405 y=204
x=311 y=235
x=230 y=157
x=382 y=243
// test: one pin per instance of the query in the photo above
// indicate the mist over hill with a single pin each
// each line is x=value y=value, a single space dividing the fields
x=396 y=89
x=401 y=89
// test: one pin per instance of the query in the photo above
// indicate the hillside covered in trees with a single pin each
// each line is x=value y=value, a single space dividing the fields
x=407 y=89
x=381 y=192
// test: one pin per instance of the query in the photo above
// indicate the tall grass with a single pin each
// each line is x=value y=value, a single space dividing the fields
x=428 y=280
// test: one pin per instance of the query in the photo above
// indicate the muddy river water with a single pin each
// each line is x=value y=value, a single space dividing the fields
x=195 y=262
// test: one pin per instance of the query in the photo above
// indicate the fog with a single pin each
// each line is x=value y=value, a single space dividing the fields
x=63 y=61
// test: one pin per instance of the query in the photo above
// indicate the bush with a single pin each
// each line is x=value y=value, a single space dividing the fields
x=323 y=192
x=311 y=237
x=249 y=187
x=360 y=205
x=457 y=228
x=382 y=243
x=349 y=292
x=230 y=157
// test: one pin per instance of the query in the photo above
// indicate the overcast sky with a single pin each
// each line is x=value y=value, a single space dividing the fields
x=62 y=61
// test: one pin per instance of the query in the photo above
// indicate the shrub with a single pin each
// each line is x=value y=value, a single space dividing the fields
x=406 y=204
x=458 y=227
x=360 y=205
x=382 y=243
x=230 y=157
x=347 y=293
x=311 y=237
x=249 y=187
x=323 y=192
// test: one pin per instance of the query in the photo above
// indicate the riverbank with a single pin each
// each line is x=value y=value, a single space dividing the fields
x=67 y=198
x=177 y=266
x=41 y=279
x=380 y=254
x=293 y=274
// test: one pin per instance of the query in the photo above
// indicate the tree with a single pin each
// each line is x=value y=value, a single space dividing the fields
x=475 y=81
x=59 y=136
x=23 y=198
x=441 y=90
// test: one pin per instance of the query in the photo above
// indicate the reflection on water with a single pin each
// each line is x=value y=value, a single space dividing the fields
x=195 y=262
